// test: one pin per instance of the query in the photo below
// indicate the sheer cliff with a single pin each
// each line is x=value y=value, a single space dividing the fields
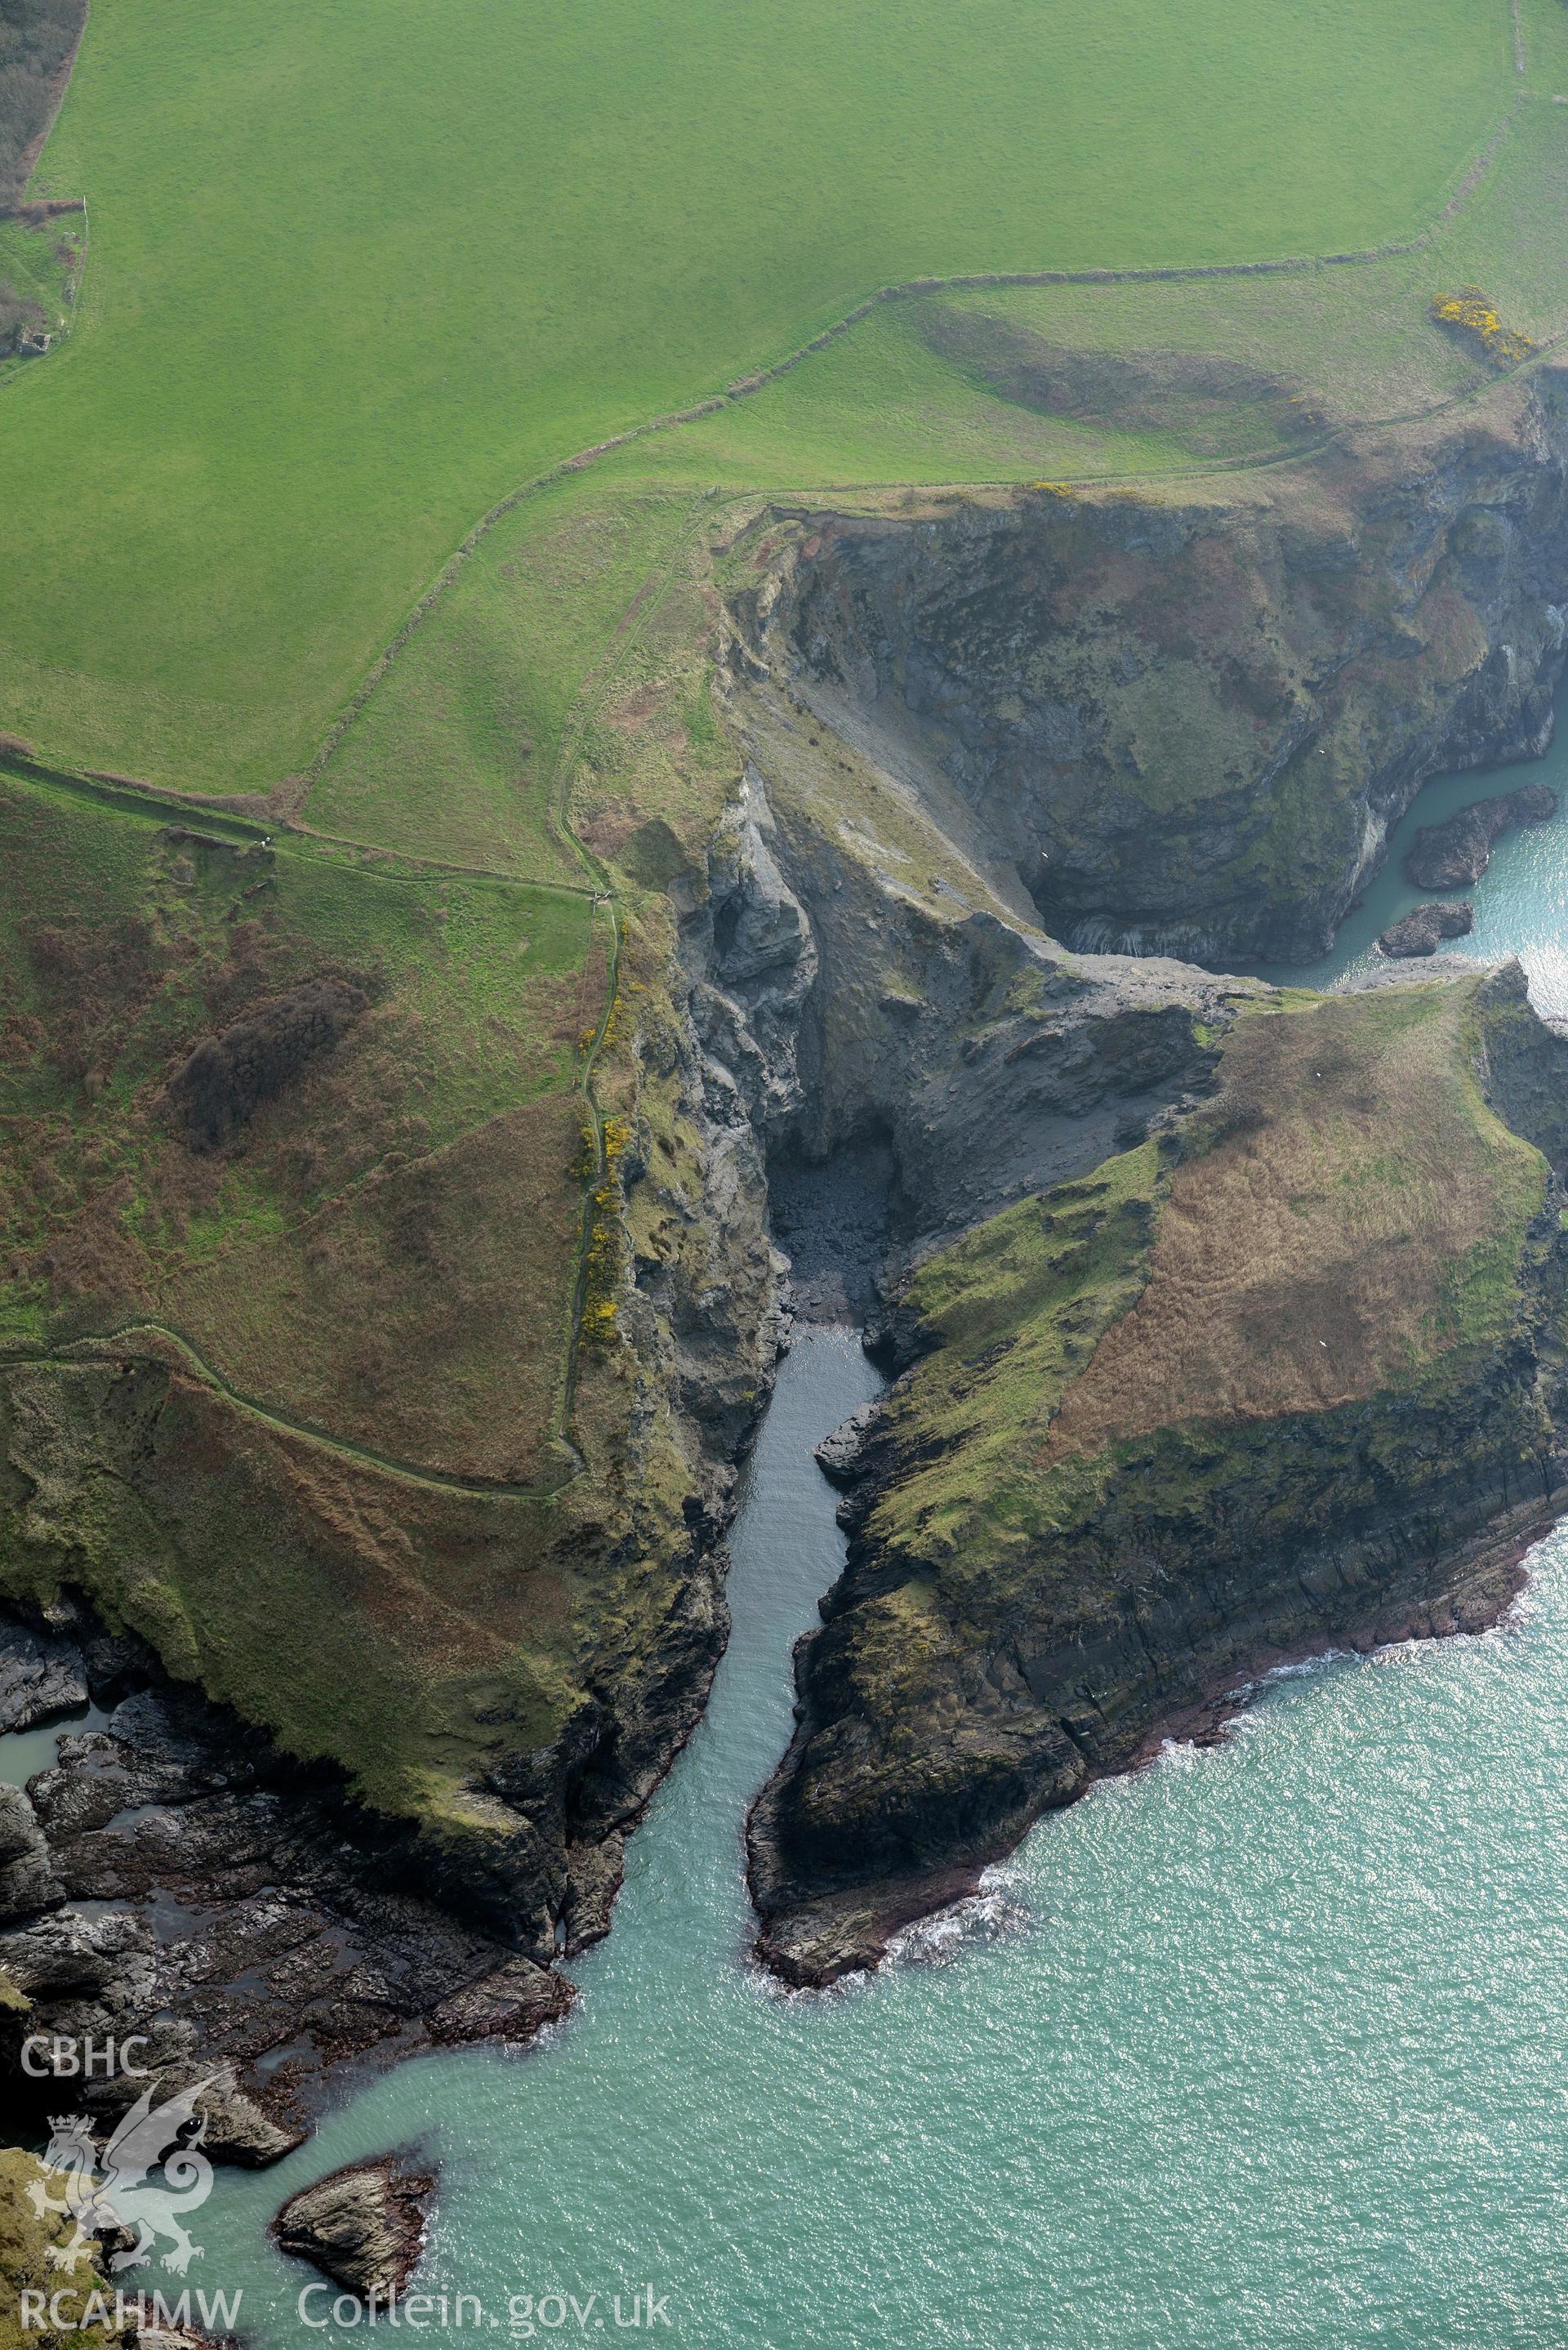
x=1185 y=722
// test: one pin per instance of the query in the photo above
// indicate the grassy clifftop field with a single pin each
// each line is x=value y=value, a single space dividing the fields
x=1347 y=1218
x=356 y=272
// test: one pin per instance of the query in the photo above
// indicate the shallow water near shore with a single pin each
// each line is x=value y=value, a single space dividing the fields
x=1264 y=2047
x=25 y=1753
x=1520 y=900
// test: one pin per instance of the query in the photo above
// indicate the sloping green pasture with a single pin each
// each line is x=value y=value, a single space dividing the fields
x=897 y=398
x=358 y=270
x=454 y=750
x=384 y=1249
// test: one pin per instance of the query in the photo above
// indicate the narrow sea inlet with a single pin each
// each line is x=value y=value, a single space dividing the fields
x=1266 y=2048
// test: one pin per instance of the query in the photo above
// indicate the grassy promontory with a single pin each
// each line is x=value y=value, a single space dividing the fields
x=1253 y=1385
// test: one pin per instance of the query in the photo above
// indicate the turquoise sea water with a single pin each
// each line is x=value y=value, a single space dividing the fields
x=1266 y=2048
x=1520 y=900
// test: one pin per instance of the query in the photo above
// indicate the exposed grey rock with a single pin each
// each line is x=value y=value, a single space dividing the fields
x=839 y=1455
x=512 y=2003
x=27 y=1881
x=1025 y=1065
x=1443 y=856
x=595 y=1874
x=364 y=2226
x=761 y=958
x=1422 y=932
x=209 y=1896
x=41 y=1677
x=1126 y=702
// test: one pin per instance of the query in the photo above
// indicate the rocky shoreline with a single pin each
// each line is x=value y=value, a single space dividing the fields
x=175 y=1876
x=1133 y=1600
x=863 y=970
x=850 y=1933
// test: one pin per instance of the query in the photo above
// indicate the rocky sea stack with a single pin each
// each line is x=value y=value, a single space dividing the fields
x=1446 y=856
x=1423 y=932
x=364 y=2226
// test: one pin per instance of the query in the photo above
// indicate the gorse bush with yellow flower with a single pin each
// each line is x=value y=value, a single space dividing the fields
x=604 y=1251
x=1472 y=316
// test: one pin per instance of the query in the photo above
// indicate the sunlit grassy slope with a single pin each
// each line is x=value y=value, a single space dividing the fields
x=453 y=753
x=1079 y=1324
x=357 y=269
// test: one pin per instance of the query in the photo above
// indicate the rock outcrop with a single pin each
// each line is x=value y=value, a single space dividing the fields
x=1422 y=932
x=964 y=731
x=42 y=1678
x=363 y=2226
x=173 y=1876
x=1446 y=856
x=839 y=1455
x=1187 y=726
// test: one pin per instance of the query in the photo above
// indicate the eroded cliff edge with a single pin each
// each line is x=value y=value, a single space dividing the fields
x=1184 y=721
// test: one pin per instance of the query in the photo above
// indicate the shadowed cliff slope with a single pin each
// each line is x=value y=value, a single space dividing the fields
x=1186 y=720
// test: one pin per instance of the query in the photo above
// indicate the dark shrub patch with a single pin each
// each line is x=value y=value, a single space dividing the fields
x=228 y=1077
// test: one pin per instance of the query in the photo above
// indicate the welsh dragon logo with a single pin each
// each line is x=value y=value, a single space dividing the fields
x=150 y=2138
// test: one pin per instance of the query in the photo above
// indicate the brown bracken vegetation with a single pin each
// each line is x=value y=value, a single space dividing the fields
x=37 y=38
x=1305 y=1257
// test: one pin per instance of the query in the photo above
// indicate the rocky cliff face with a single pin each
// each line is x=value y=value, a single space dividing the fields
x=1187 y=725
x=1141 y=1450
x=1142 y=724
x=892 y=987
x=963 y=733
x=171 y=1875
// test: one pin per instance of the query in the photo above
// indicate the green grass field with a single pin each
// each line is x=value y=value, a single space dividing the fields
x=453 y=750
x=422 y=1163
x=39 y=266
x=455 y=757
x=356 y=271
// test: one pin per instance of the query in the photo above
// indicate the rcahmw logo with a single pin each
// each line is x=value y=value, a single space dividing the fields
x=60 y=2058
x=71 y=2310
x=128 y=2194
